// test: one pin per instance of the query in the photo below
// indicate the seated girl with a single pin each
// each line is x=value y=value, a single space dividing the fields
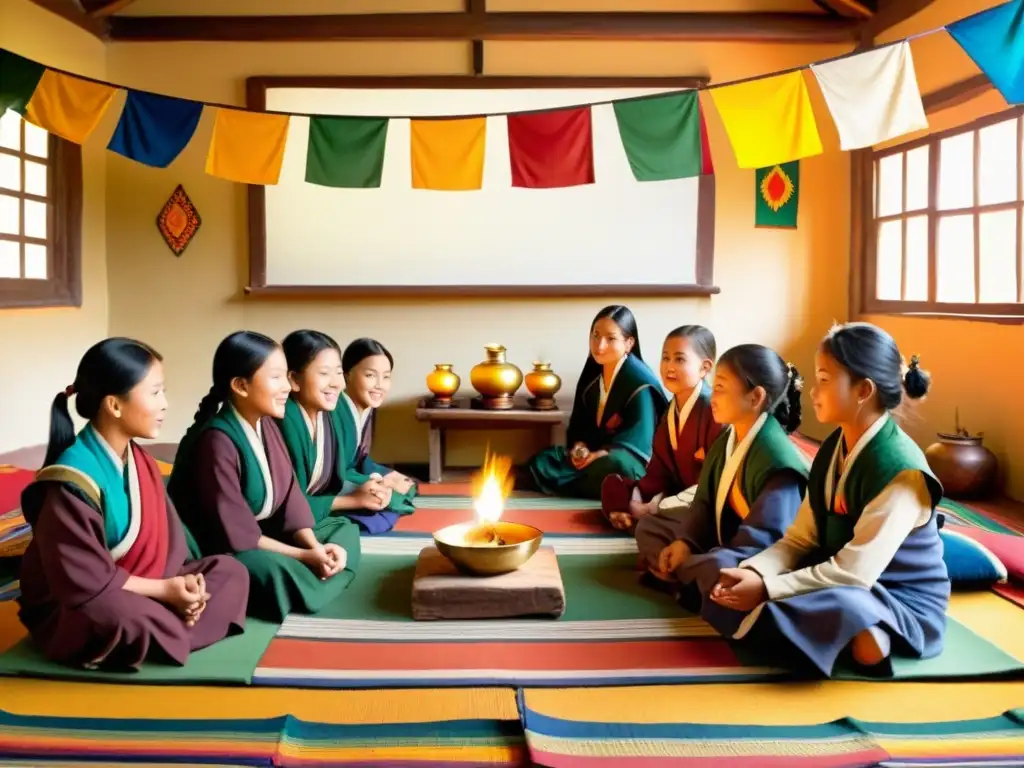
x=315 y=446
x=367 y=366
x=752 y=481
x=233 y=476
x=683 y=437
x=861 y=567
x=618 y=404
x=108 y=580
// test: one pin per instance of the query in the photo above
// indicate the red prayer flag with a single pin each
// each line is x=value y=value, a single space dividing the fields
x=707 y=166
x=551 y=149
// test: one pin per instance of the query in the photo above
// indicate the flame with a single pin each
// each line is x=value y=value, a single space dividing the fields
x=491 y=485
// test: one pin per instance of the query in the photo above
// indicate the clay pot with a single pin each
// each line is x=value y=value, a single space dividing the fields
x=965 y=467
x=496 y=379
x=443 y=383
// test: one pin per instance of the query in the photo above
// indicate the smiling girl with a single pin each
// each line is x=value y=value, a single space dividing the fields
x=233 y=475
x=751 y=483
x=861 y=568
x=108 y=580
x=366 y=365
x=617 y=406
x=683 y=437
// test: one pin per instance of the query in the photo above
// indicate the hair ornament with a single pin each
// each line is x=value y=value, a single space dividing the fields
x=798 y=381
x=915 y=361
x=69 y=390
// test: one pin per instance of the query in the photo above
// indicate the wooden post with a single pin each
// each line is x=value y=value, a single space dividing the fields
x=436 y=451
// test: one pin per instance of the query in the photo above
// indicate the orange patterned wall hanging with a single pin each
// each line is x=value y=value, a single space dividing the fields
x=178 y=221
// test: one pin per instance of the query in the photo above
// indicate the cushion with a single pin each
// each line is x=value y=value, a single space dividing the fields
x=970 y=563
x=1008 y=547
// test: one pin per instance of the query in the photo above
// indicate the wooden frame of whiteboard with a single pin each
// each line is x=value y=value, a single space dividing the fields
x=256 y=99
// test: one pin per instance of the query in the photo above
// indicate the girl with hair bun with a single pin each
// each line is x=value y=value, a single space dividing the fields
x=111 y=578
x=234 y=482
x=750 y=485
x=861 y=568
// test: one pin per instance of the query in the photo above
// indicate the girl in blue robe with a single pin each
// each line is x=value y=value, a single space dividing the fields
x=619 y=402
x=861 y=568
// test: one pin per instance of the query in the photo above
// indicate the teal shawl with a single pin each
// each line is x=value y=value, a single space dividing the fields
x=91 y=456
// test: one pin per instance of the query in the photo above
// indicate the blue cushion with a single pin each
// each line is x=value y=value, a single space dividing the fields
x=970 y=564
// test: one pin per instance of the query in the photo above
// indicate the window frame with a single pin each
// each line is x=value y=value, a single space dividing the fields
x=63 y=284
x=864 y=228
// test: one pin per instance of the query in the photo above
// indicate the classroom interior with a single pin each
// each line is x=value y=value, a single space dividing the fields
x=783 y=287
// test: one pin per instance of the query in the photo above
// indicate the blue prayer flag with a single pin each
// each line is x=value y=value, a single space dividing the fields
x=994 y=39
x=153 y=129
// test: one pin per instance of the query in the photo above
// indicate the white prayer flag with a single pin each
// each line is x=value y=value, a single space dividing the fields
x=873 y=96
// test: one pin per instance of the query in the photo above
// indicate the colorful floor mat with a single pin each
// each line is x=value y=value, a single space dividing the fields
x=847 y=741
x=230 y=662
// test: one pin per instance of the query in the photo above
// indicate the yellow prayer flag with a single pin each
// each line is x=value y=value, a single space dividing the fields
x=67 y=106
x=247 y=147
x=448 y=154
x=769 y=121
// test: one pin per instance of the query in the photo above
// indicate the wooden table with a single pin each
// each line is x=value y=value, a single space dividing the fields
x=461 y=415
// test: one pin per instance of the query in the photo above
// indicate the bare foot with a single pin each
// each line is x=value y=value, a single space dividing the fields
x=868 y=649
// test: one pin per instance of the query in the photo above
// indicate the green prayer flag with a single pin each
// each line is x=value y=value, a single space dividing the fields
x=346 y=151
x=18 y=80
x=661 y=136
x=777 y=189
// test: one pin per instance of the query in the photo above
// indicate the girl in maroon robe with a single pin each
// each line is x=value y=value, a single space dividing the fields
x=683 y=438
x=108 y=579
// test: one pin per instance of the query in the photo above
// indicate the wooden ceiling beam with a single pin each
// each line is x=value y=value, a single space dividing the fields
x=957 y=93
x=750 y=27
x=70 y=10
x=892 y=13
x=848 y=8
x=102 y=8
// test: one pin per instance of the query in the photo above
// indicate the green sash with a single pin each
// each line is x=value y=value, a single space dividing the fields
x=253 y=488
x=770 y=453
x=877 y=463
x=302 y=449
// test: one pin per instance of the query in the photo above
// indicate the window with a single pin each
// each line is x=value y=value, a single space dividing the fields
x=944 y=233
x=40 y=217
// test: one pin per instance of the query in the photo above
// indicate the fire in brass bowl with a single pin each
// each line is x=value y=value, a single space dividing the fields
x=472 y=547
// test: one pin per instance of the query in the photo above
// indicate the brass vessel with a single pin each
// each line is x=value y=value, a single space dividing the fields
x=495 y=379
x=462 y=544
x=443 y=383
x=543 y=384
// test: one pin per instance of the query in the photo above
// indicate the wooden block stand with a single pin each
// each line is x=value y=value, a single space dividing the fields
x=441 y=591
x=461 y=415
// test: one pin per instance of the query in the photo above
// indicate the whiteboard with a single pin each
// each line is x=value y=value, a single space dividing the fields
x=616 y=231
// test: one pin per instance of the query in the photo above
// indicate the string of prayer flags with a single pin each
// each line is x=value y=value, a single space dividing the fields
x=18 y=80
x=994 y=39
x=448 y=154
x=768 y=121
x=873 y=96
x=551 y=149
x=663 y=136
x=346 y=152
x=154 y=129
x=247 y=147
x=67 y=106
x=777 y=191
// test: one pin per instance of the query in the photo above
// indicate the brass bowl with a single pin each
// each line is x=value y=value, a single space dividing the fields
x=488 y=560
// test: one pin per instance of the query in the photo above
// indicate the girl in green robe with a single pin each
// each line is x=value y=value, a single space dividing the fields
x=619 y=402
x=323 y=456
x=366 y=365
x=234 y=483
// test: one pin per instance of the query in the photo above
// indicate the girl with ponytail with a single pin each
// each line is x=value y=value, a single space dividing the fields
x=750 y=485
x=109 y=580
x=618 y=404
x=861 y=568
x=234 y=482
